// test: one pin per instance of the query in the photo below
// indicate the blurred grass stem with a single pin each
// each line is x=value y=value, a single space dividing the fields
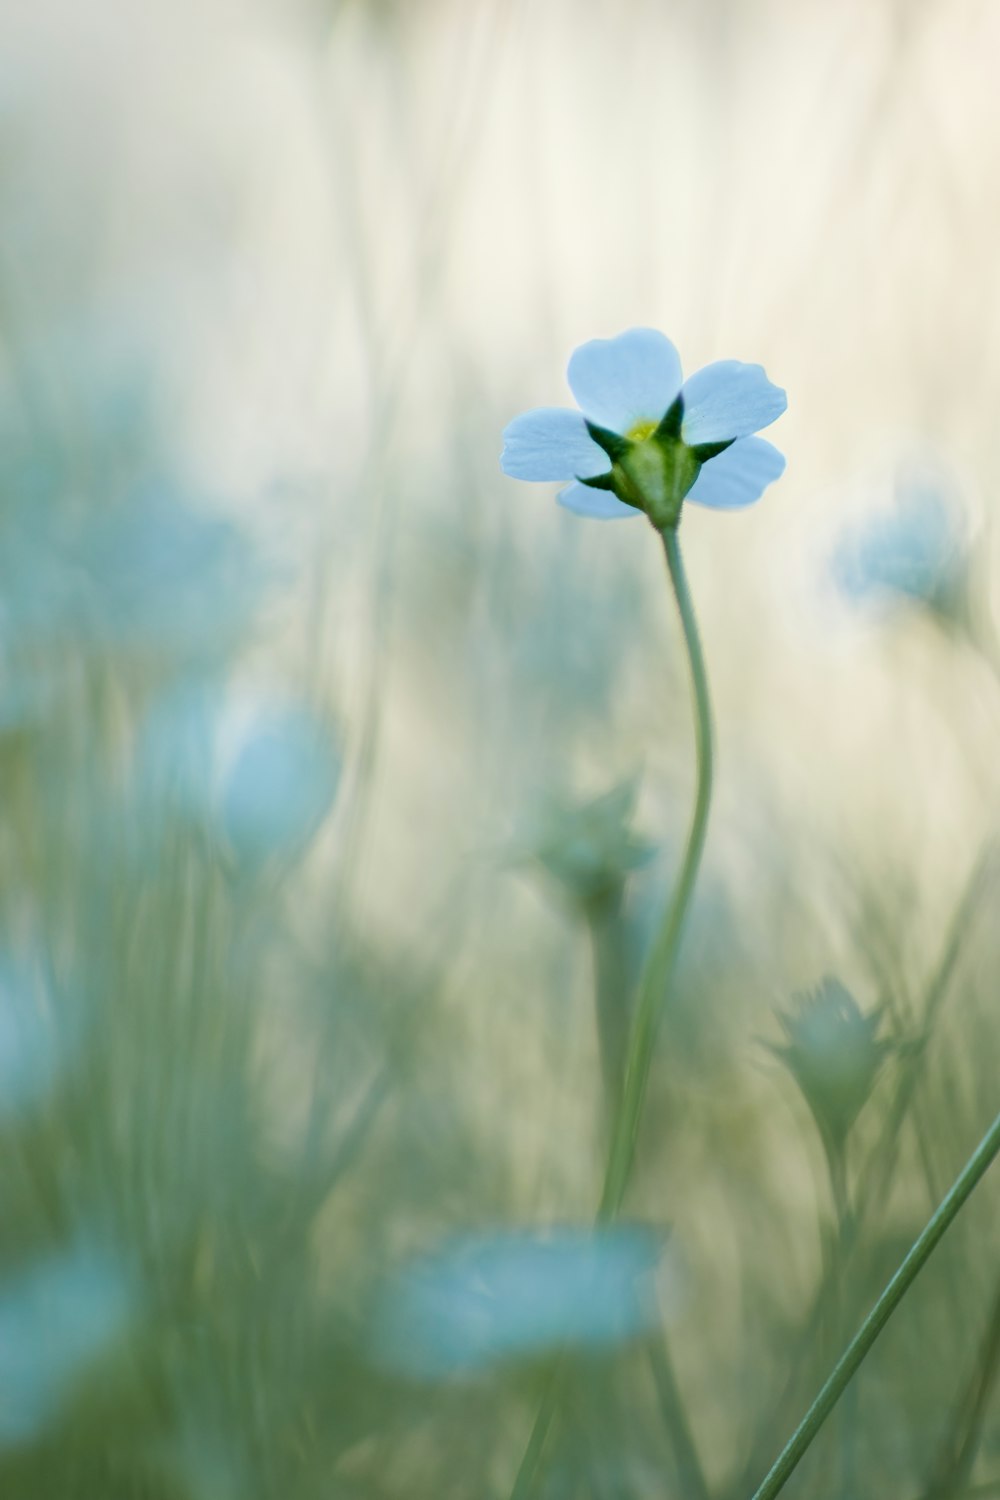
x=961 y=1443
x=851 y=1360
x=608 y=947
x=874 y=1186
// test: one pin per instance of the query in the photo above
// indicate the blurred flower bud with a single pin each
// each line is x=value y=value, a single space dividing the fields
x=589 y=847
x=834 y=1053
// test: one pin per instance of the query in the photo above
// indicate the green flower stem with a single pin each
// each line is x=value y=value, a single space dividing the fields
x=875 y=1180
x=611 y=972
x=662 y=959
x=836 y=1154
x=850 y=1361
x=655 y=978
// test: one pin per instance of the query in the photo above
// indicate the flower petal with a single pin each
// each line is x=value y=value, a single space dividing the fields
x=488 y=1300
x=632 y=378
x=729 y=400
x=599 y=505
x=738 y=476
x=551 y=443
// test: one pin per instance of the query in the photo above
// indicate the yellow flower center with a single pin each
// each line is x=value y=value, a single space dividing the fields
x=641 y=431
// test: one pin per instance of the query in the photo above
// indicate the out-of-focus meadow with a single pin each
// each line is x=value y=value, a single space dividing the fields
x=344 y=779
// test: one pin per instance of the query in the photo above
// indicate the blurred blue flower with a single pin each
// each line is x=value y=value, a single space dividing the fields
x=641 y=428
x=917 y=548
x=167 y=576
x=262 y=781
x=487 y=1299
x=151 y=574
x=281 y=785
x=58 y=1317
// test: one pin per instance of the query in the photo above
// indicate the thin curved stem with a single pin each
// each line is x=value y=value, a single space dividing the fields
x=663 y=956
x=852 y=1357
x=655 y=978
x=611 y=979
x=875 y=1180
x=951 y=1473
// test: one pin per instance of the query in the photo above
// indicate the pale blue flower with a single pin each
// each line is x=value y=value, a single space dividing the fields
x=166 y=576
x=58 y=1318
x=259 y=776
x=281 y=785
x=152 y=574
x=644 y=439
x=916 y=548
x=487 y=1299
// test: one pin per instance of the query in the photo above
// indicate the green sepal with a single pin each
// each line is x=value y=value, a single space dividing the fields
x=670 y=422
x=613 y=444
x=704 y=451
x=599 y=482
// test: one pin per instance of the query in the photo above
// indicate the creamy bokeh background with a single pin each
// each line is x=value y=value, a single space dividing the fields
x=334 y=248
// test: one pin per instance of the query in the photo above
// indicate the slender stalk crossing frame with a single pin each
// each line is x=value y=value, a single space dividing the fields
x=852 y=1357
